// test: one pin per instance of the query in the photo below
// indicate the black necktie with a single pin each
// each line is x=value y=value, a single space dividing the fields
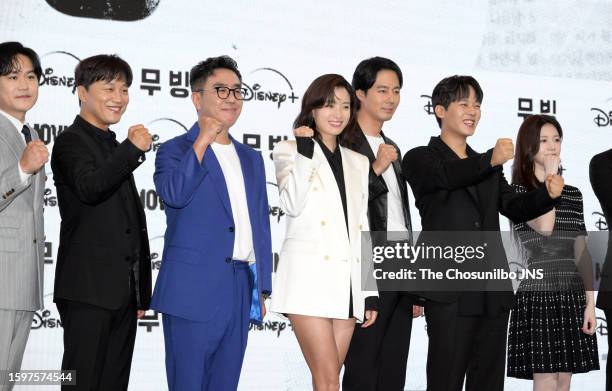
x=26 y=134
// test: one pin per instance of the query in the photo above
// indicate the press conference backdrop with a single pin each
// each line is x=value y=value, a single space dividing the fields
x=530 y=57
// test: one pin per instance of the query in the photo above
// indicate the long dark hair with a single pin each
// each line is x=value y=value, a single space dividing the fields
x=527 y=146
x=321 y=92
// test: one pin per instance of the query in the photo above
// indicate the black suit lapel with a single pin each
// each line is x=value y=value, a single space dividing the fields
x=401 y=182
x=362 y=145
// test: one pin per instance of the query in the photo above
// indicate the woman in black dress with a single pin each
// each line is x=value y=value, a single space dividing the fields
x=552 y=327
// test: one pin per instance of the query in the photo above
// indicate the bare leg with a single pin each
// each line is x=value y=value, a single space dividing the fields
x=343 y=332
x=316 y=338
x=545 y=381
x=565 y=379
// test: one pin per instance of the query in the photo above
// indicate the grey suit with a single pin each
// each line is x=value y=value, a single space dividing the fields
x=22 y=243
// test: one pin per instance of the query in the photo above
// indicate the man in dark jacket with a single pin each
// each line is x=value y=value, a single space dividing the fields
x=600 y=173
x=458 y=189
x=103 y=274
x=378 y=355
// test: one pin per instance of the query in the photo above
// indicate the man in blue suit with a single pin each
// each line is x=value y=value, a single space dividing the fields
x=217 y=253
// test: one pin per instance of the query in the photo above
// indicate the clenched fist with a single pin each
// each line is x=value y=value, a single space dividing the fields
x=386 y=154
x=303 y=131
x=209 y=129
x=140 y=137
x=34 y=156
x=554 y=185
x=503 y=151
x=551 y=164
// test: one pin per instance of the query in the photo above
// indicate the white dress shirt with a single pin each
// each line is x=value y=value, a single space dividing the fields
x=395 y=211
x=232 y=172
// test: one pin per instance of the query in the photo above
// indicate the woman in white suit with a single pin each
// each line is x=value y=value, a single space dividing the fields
x=323 y=190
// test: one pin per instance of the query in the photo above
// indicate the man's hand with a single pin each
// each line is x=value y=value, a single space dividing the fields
x=263 y=309
x=554 y=185
x=384 y=156
x=209 y=129
x=140 y=137
x=34 y=156
x=503 y=151
x=140 y=313
x=303 y=131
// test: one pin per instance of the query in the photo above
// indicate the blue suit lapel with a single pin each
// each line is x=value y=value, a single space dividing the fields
x=216 y=174
x=214 y=170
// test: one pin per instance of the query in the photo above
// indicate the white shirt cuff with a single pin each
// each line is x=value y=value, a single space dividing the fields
x=24 y=176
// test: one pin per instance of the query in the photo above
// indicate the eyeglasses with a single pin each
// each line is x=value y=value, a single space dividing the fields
x=224 y=92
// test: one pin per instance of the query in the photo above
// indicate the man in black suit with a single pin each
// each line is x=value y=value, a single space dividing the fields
x=378 y=355
x=600 y=173
x=103 y=274
x=458 y=189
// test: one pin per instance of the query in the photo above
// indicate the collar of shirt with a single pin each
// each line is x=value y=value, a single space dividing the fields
x=16 y=123
x=335 y=156
x=106 y=135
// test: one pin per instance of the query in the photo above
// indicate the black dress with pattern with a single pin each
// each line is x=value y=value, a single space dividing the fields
x=545 y=333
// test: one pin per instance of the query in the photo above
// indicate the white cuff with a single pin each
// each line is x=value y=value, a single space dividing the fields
x=24 y=176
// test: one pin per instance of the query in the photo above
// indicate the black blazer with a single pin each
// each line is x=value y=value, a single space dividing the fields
x=600 y=173
x=377 y=188
x=454 y=194
x=96 y=253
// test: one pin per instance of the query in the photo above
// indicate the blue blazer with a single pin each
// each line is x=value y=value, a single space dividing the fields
x=196 y=277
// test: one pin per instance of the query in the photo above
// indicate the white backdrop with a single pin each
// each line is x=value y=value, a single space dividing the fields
x=530 y=57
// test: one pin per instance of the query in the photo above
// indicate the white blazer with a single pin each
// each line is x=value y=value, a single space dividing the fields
x=319 y=264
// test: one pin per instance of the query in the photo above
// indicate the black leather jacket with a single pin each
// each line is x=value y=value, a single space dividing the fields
x=377 y=203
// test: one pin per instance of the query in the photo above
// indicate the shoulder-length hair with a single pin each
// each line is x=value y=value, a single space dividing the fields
x=527 y=146
x=320 y=93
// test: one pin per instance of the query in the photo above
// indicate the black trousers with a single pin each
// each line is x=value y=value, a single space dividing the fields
x=465 y=347
x=608 y=313
x=98 y=344
x=377 y=356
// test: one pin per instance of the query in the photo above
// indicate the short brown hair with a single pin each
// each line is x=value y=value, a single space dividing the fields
x=107 y=67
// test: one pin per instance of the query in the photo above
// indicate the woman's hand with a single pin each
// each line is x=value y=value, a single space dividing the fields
x=303 y=131
x=590 y=321
x=370 y=318
x=551 y=164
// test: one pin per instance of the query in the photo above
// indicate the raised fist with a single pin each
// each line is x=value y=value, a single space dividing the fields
x=140 y=137
x=303 y=131
x=503 y=151
x=385 y=155
x=551 y=164
x=209 y=129
x=34 y=156
x=554 y=185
